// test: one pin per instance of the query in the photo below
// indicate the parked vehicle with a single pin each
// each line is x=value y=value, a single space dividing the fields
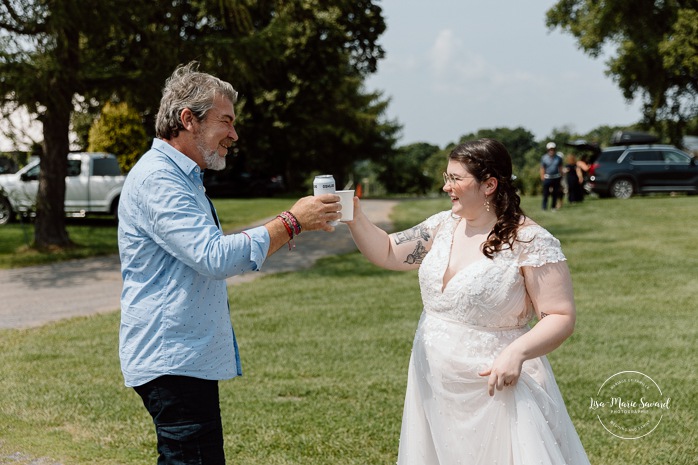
x=93 y=185
x=637 y=165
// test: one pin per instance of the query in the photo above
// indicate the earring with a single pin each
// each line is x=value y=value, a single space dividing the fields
x=487 y=204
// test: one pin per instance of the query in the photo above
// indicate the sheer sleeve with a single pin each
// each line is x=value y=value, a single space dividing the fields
x=434 y=222
x=535 y=246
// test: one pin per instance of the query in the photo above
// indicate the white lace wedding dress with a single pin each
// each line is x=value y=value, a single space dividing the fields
x=449 y=418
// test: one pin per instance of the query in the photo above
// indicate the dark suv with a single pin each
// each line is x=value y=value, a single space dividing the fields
x=629 y=168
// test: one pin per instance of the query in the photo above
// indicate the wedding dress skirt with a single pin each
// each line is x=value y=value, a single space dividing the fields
x=449 y=417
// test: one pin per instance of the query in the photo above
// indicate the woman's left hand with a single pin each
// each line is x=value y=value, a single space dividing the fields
x=505 y=371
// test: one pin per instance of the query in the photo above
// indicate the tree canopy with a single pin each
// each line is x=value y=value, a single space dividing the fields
x=303 y=107
x=407 y=171
x=299 y=66
x=656 y=53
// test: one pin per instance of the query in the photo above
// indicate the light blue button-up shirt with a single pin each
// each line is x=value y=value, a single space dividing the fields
x=551 y=165
x=175 y=318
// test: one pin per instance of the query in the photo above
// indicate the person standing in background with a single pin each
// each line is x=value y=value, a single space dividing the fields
x=583 y=165
x=574 y=178
x=551 y=176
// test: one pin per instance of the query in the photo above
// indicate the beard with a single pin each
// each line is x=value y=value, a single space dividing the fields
x=211 y=158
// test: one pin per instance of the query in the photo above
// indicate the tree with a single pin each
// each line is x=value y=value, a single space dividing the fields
x=405 y=172
x=52 y=51
x=303 y=106
x=299 y=66
x=656 y=53
x=119 y=130
x=48 y=92
x=517 y=141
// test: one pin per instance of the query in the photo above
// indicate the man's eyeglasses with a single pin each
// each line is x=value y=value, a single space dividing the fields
x=452 y=179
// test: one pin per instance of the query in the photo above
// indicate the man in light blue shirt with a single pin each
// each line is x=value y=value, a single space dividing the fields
x=551 y=176
x=176 y=339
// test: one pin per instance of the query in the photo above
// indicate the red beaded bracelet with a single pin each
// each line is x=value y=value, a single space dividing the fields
x=289 y=230
x=296 y=224
x=292 y=221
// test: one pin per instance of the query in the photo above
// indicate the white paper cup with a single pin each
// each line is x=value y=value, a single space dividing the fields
x=346 y=200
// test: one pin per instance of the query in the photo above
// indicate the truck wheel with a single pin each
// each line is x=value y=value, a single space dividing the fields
x=6 y=213
x=622 y=189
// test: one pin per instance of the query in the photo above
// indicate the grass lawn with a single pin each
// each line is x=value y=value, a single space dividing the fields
x=325 y=353
x=96 y=235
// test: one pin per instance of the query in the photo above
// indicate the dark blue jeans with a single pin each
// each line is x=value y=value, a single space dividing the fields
x=551 y=188
x=187 y=417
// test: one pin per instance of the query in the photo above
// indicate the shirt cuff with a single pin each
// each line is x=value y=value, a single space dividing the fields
x=259 y=245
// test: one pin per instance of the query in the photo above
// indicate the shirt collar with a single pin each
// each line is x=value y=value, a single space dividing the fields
x=186 y=164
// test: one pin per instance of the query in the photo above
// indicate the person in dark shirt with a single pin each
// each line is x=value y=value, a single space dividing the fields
x=574 y=177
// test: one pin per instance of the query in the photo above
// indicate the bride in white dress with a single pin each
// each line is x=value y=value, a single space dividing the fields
x=480 y=389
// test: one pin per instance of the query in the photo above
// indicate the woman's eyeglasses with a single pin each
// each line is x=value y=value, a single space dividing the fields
x=452 y=179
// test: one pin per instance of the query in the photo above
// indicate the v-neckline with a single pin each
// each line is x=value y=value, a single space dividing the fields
x=444 y=284
x=471 y=264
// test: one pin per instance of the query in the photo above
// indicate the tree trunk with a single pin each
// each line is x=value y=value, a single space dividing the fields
x=50 y=231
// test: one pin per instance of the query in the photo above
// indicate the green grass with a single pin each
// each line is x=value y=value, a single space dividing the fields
x=96 y=235
x=325 y=353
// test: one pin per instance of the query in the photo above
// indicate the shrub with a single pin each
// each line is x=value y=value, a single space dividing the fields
x=119 y=130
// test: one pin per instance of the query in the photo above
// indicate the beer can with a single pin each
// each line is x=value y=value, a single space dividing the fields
x=324 y=184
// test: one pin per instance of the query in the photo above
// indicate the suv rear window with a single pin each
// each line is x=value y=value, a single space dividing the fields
x=610 y=156
x=646 y=155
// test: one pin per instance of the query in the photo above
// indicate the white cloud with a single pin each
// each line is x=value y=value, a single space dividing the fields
x=459 y=72
x=452 y=67
x=443 y=52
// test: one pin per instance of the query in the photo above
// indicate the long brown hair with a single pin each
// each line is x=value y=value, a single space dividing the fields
x=488 y=158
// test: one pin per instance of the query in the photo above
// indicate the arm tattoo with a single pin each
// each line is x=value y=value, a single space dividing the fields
x=417 y=255
x=412 y=234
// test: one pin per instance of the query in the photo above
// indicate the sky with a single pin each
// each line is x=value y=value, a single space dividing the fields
x=455 y=66
x=19 y=119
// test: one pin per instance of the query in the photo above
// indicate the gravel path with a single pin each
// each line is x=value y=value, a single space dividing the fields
x=37 y=295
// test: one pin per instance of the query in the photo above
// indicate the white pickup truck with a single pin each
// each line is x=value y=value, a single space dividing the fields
x=93 y=185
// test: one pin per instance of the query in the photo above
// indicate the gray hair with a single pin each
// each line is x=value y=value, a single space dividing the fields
x=192 y=89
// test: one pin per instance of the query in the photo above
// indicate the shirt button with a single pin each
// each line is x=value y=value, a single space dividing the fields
x=201 y=187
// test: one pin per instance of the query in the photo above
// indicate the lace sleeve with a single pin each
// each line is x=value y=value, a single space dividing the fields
x=434 y=222
x=536 y=247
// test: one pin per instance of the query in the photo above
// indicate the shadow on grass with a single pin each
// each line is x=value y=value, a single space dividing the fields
x=352 y=264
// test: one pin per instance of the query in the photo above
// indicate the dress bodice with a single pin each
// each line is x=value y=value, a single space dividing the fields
x=489 y=292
